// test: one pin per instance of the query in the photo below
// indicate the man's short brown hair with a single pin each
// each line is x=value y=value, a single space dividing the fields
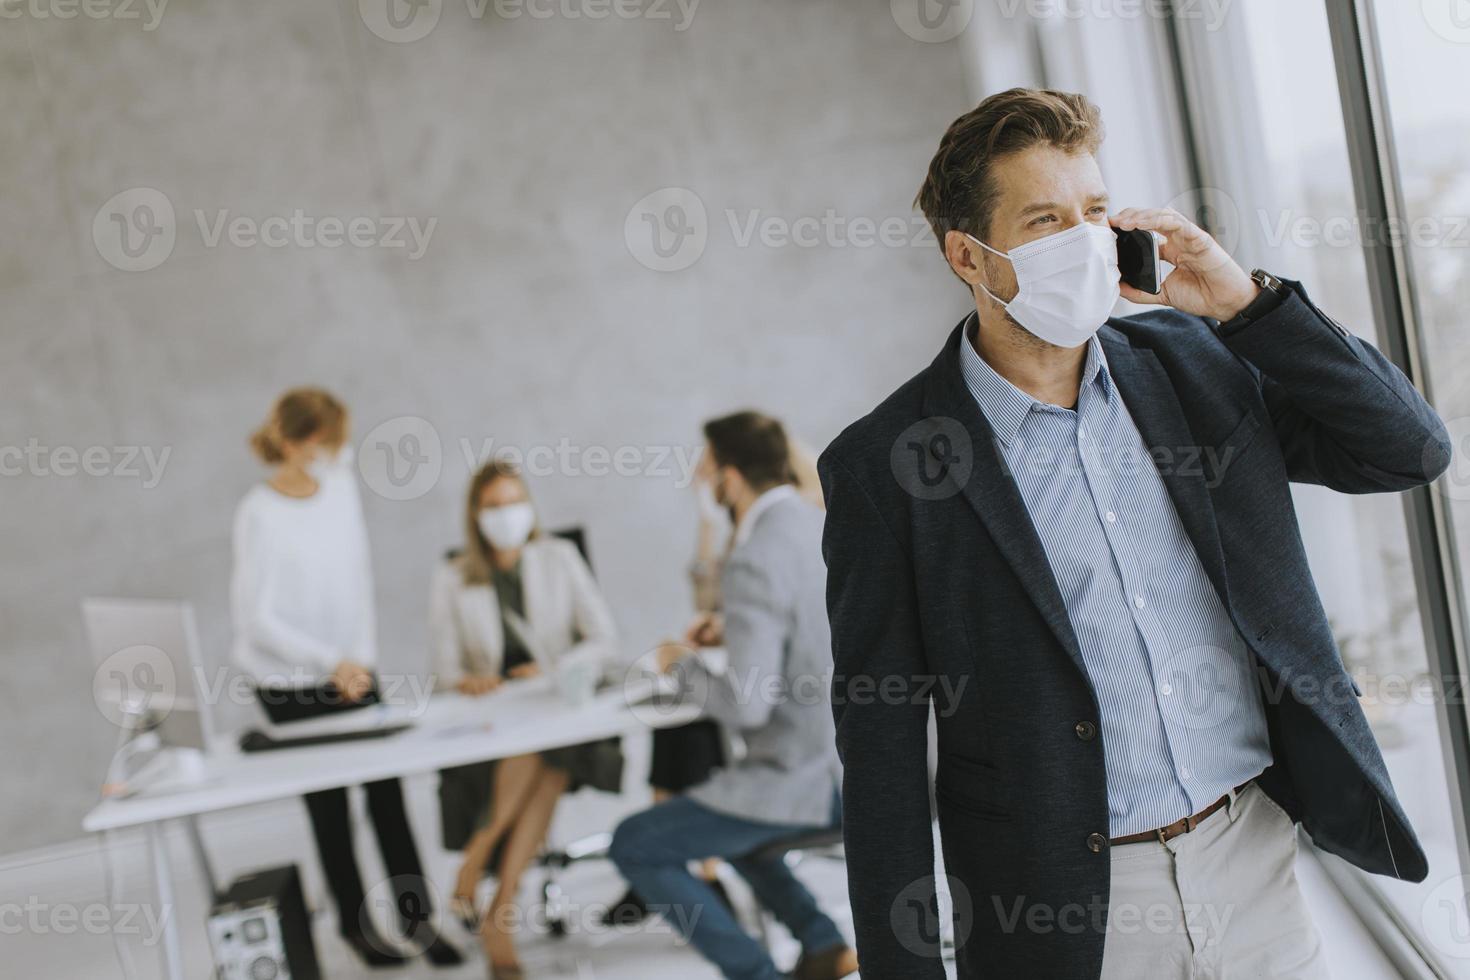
x=755 y=444
x=959 y=192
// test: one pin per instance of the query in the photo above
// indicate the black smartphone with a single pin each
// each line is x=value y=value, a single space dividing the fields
x=1138 y=259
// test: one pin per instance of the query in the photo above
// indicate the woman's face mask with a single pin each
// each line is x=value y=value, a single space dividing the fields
x=326 y=462
x=1066 y=283
x=508 y=526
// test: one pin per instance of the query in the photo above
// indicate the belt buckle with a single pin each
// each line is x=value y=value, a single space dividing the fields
x=1159 y=831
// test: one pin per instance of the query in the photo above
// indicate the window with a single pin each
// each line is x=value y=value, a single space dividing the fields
x=1264 y=94
x=1258 y=82
x=1425 y=53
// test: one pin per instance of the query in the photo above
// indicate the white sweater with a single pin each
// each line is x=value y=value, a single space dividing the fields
x=302 y=589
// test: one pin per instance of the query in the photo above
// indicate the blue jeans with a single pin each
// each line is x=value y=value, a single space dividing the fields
x=653 y=848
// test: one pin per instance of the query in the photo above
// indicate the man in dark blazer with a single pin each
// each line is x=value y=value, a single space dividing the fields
x=1074 y=536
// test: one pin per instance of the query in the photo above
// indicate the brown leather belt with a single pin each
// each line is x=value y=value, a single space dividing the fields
x=1181 y=826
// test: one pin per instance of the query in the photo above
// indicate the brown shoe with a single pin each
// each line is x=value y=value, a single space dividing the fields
x=829 y=964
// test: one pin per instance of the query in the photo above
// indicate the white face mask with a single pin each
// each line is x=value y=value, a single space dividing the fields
x=508 y=526
x=710 y=509
x=324 y=465
x=1066 y=283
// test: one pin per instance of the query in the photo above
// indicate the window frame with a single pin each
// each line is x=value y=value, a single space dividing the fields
x=1209 y=96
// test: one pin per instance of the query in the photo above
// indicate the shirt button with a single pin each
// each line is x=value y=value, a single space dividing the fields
x=1081 y=431
x=1139 y=601
x=1186 y=773
x=1086 y=730
x=1096 y=842
x=1166 y=689
x=1112 y=518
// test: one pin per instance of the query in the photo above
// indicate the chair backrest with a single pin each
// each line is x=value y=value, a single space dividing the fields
x=575 y=534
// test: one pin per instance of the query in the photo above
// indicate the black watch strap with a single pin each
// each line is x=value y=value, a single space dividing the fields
x=1273 y=291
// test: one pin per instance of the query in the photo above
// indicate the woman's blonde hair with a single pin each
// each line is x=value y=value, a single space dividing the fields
x=804 y=471
x=478 y=553
x=297 y=415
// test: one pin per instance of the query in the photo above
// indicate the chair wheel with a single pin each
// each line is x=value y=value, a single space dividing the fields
x=557 y=928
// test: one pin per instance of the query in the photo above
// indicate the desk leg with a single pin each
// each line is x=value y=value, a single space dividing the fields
x=163 y=885
x=196 y=840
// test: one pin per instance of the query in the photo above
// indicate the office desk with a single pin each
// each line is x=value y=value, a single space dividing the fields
x=521 y=717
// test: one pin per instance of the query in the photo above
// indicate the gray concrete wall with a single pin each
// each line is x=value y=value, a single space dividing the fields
x=529 y=319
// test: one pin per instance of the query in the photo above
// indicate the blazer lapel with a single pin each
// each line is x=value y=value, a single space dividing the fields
x=1154 y=405
x=979 y=474
x=480 y=616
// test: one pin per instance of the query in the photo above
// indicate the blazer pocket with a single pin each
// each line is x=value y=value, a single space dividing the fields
x=1218 y=459
x=971 y=786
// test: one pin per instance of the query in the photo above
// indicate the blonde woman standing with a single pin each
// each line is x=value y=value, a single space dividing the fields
x=305 y=633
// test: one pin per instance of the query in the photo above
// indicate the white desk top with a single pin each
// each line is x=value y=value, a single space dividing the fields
x=521 y=717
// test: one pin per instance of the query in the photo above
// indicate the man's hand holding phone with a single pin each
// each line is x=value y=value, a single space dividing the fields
x=1205 y=281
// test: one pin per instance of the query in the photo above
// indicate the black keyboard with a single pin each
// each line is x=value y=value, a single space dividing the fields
x=256 y=740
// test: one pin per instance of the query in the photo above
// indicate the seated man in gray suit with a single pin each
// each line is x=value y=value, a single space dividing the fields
x=774 y=694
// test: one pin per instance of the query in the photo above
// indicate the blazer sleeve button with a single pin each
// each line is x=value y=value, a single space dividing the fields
x=1096 y=842
x=1086 y=731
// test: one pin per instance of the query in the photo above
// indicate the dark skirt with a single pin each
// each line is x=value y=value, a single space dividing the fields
x=597 y=764
x=686 y=756
x=466 y=792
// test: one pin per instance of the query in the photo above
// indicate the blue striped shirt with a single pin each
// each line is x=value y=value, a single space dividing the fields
x=1181 y=715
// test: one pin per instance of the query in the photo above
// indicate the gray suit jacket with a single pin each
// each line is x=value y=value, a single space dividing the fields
x=775 y=693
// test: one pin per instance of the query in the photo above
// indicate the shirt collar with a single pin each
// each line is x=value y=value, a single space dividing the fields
x=1006 y=406
x=762 y=503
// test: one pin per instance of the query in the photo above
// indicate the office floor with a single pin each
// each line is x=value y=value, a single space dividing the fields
x=56 y=891
x=59 y=889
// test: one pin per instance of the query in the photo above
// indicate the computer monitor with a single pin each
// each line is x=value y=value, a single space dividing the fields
x=146 y=653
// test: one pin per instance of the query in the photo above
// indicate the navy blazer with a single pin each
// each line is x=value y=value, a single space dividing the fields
x=938 y=588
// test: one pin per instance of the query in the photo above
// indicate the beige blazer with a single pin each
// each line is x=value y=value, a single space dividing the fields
x=564 y=608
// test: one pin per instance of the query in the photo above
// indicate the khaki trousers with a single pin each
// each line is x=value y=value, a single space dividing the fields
x=1219 y=902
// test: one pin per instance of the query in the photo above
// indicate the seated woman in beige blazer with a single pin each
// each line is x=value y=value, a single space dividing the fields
x=515 y=604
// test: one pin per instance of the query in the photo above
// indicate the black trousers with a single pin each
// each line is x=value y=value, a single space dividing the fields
x=331 y=825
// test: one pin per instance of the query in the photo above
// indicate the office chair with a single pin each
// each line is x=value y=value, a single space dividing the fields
x=826 y=843
x=820 y=842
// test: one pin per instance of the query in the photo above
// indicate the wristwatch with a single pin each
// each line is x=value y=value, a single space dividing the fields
x=1273 y=291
